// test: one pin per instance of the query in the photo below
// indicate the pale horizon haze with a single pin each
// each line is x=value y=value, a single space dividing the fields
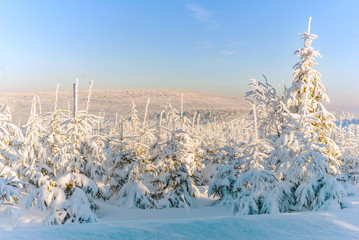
x=208 y=46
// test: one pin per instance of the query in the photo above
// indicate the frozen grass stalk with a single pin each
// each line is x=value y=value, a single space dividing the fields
x=198 y=119
x=146 y=111
x=56 y=97
x=255 y=122
x=121 y=129
x=194 y=119
x=89 y=97
x=33 y=108
x=310 y=19
x=182 y=119
x=39 y=102
x=75 y=87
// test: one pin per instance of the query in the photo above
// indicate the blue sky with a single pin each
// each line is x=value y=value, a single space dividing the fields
x=211 y=46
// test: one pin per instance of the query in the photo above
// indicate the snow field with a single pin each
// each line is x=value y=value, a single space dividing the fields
x=204 y=223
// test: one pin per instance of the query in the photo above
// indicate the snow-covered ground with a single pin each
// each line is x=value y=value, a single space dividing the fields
x=194 y=223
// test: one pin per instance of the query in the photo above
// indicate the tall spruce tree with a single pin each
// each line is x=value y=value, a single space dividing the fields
x=307 y=97
x=305 y=155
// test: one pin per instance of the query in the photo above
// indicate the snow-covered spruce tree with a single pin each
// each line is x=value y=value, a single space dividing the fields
x=83 y=151
x=129 y=164
x=221 y=173
x=120 y=159
x=133 y=119
x=9 y=188
x=135 y=192
x=68 y=199
x=305 y=156
x=256 y=190
x=348 y=140
x=194 y=148
x=197 y=151
x=9 y=191
x=33 y=166
x=55 y=137
x=268 y=108
x=223 y=144
x=70 y=191
x=173 y=159
x=307 y=96
x=10 y=139
x=10 y=159
x=145 y=135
